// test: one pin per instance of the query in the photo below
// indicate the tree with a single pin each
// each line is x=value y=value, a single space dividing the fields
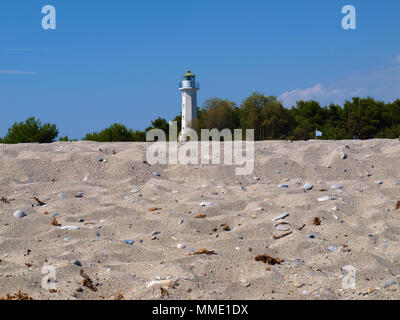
x=31 y=131
x=217 y=114
x=160 y=123
x=115 y=133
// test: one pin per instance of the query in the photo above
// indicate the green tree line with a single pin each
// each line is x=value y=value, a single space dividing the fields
x=361 y=118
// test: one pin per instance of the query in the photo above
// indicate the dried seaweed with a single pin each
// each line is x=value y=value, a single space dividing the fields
x=317 y=221
x=28 y=264
x=87 y=282
x=164 y=292
x=267 y=259
x=54 y=222
x=200 y=216
x=17 y=296
x=398 y=205
x=119 y=296
x=225 y=227
x=40 y=203
x=202 y=251
x=6 y=200
x=154 y=209
x=282 y=235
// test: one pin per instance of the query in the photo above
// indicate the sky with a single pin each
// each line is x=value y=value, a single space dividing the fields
x=122 y=60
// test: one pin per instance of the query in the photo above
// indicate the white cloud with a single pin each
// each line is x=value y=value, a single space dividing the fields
x=3 y=71
x=381 y=84
x=317 y=92
x=397 y=59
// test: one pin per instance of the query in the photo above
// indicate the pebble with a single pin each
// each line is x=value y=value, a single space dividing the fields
x=67 y=239
x=379 y=182
x=205 y=204
x=19 y=214
x=344 y=156
x=157 y=174
x=335 y=208
x=388 y=283
x=70 y=228
x=282 y=216
x=62 y=196
x=180 y=221
x=85 y=179
x=135 y=191
x=154 y=233
x=396 y=183
x=100 y=159
x=283 y=186
x=180 y=246
x=331 y=248
x=77 y=263
x=337 y=186
x=129 y=241
x=283 y=227
x=308 y=186
x=368 y=156
x=79 y=195
x=323 y=199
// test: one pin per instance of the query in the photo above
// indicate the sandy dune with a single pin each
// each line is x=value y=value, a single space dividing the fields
x=363 y=232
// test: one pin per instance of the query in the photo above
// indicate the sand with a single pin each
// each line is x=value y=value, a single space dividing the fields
x=365 y=230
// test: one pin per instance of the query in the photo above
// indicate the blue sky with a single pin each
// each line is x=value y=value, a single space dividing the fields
x=122 y=60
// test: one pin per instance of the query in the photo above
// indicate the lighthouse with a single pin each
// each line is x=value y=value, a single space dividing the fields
x=189 y=88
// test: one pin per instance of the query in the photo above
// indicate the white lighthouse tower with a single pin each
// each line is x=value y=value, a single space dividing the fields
x=189 y=88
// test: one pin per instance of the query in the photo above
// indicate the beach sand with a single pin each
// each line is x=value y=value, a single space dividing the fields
x=123 y=200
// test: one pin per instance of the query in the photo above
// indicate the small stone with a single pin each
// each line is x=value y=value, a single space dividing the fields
x=180 y=246
x=70 y=228
x=79 y=195
x=388 y=283
x=379 y=182
x=77 y=263
x=100 y=159
x=154 y=233
x=157 y=174
x=283 y=186
x=67 y=239
x=282 y=216
x=368 y=156
x=323 y=199
x=205 y=204
x=135 y=191
x=62 y=196
x=19 y=214
x=180 y=221
x=337 y=187
x=129 y=241
x=335 y=208
x=331 y=248
x=283 y=227
x=344 y=156
x=308 y=186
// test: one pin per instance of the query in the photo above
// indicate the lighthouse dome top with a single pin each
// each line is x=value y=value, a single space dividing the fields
x=188 y=74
